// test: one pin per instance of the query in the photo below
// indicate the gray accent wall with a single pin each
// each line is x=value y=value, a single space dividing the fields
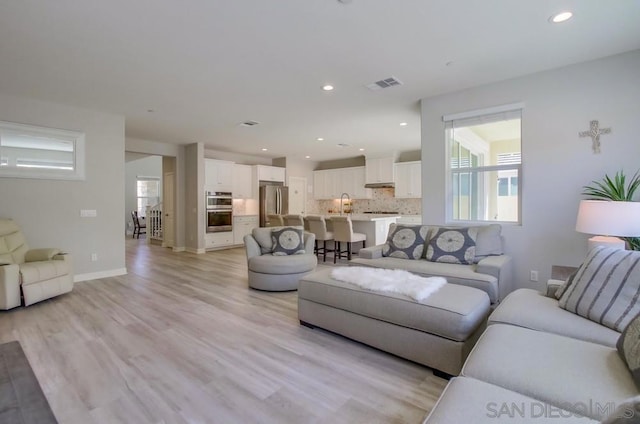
x=49 y=210
x=556 y=162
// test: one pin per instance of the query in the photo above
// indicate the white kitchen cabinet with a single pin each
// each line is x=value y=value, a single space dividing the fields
x=408 y=180
x=380 y=170
x=242 y=182
x=271 y=173
x=243 y=225
x=331 y=183
x=218 y=175
x=218 y=240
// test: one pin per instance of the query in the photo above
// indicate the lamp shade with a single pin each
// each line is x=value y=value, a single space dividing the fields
x=609 y=218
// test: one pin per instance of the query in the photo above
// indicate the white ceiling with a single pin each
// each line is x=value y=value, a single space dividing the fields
x=204 y=66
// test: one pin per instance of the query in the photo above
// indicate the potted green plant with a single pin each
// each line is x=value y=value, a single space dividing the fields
x=616 y=189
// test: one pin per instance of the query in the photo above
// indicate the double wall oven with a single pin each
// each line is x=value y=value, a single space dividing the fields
x=219 y=214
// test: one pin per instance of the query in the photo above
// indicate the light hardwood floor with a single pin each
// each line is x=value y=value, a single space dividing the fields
x=181 y=339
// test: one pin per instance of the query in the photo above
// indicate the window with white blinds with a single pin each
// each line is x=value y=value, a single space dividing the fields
x=484 y=161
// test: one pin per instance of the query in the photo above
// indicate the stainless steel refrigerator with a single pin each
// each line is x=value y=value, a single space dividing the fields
x=274 y=199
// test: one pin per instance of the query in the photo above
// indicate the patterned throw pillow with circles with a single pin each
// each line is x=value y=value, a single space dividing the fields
x=405 y=241
x=453 y=246
x=287 y=241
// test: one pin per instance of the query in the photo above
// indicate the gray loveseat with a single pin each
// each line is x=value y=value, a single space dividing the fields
x=491 y=272
x=537 y=362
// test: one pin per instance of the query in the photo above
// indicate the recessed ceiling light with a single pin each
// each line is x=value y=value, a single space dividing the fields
x=327 y=87
x=560 y=17
x=403 y=124
x=264 y=149
x=361 y=149
x=320 y=139
x=307 y=157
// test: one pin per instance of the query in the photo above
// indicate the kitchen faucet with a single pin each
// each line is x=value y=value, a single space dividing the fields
x=342 y=204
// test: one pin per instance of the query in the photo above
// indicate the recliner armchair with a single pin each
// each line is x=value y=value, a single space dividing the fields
x=36 y=274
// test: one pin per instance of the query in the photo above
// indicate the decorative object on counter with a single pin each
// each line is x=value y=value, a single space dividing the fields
x=594 y=133
x=618 y=190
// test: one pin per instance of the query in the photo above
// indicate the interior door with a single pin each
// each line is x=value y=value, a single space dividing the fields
x=168 y=206
x=297 y=195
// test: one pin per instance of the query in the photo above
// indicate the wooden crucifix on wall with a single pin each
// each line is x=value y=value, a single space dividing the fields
x=594 y=132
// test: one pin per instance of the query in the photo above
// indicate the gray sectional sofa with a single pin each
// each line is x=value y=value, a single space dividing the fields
x=537 y=362
x=491 y=272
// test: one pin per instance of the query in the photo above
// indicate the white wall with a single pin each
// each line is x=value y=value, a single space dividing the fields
x=49 y=211
x=148 y=166
x=556 y=162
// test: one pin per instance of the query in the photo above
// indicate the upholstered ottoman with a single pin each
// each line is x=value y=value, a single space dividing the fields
x=438 y=333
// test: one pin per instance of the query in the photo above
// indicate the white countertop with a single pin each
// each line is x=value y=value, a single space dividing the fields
x=367 y=217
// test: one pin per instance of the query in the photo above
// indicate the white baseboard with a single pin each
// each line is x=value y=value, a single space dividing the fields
x=178 y=249
x=196 y=251
x=100 y=274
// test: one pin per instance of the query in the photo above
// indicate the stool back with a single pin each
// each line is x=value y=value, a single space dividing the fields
x=318 y=226
x=342 y=228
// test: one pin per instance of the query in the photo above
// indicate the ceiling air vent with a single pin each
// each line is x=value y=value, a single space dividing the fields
x=384 y=83
x=249 y=123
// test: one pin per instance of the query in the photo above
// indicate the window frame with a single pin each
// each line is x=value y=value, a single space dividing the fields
x=479 y=170
x=78 y=153
x=143 y=213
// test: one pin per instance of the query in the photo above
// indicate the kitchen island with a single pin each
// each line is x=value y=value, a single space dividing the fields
x=375 y=226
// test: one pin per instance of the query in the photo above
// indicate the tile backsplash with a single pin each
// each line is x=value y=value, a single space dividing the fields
x=383 y=200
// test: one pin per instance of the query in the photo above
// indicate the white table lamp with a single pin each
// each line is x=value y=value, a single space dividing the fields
x=610 y=220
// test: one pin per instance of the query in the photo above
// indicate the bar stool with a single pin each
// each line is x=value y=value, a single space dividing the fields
x=343 y=232
x=293 y=220
x=318 y=226
x=274 y=220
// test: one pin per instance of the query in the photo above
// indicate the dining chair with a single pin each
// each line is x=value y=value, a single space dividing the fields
x=343 y=233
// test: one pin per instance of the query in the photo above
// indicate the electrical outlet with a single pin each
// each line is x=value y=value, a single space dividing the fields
x=94 y=257
x=533 y=276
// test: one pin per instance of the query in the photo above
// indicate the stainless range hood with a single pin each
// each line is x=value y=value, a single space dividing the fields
x=380 y=185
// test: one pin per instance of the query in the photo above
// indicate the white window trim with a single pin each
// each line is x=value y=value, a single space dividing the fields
x=513 y=107
x=77 y=138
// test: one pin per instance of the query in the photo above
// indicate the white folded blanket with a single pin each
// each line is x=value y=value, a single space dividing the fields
x=389 y=280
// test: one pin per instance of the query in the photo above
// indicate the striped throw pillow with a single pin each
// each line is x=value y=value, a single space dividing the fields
x=606 y=288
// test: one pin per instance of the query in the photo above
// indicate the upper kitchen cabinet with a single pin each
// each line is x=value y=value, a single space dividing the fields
x=242 y=182
x=408 y=180
x=380 y=170
x=331 y=183
x=218 y=175
x=270 y=173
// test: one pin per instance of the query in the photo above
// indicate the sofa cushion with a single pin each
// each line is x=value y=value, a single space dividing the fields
x=293 y=264
x=287 y=241
x=606 y=287
x=488 y=241
x=452 y=245
x=465 y=275
x=467 y=400
x=530 y=309
x=453 y=312
x=561 y=371
x=629 y=348
x=405 y=241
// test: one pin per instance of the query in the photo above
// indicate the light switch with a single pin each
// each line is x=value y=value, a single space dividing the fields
x=88 y=213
